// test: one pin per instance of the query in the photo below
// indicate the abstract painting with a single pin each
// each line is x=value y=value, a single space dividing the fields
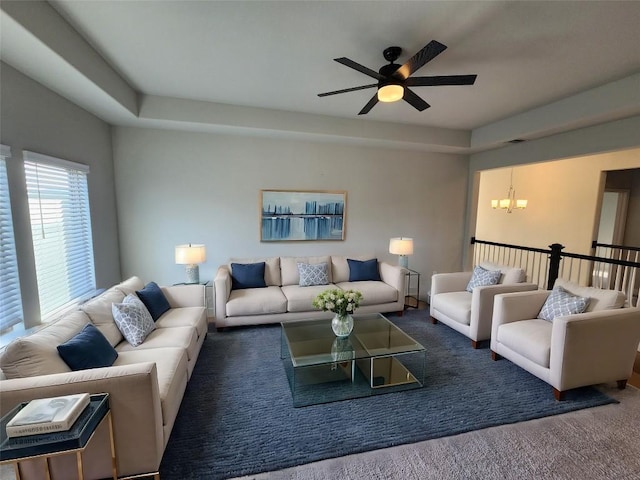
x=288 y=215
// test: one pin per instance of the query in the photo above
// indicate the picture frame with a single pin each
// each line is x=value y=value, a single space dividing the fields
x=302 y=215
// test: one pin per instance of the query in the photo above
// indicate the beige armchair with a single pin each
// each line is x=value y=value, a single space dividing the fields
x=470 y=313
x=589 y=348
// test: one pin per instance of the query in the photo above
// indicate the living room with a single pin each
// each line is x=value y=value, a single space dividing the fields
x=169 y=169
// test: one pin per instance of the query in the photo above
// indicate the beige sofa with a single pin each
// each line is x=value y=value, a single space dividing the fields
x=593 y=347
x=146 y=383
x=283 y=299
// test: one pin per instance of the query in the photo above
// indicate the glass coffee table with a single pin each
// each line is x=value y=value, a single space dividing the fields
x=378 y=357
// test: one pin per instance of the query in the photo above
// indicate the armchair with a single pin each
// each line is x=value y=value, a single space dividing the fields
x=470 y=313
x=589 y=348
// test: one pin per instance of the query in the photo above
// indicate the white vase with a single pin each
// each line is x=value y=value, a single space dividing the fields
x=342 y=325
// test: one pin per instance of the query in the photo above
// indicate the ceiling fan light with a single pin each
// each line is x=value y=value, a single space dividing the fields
x=390 y=93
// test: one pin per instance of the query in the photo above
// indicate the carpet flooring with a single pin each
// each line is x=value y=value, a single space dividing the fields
x=237 y=416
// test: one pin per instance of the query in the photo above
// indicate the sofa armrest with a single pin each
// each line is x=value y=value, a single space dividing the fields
x=222 y=287
x=482 y=300
x=134 y=400
x=185 y=295
x=449 y=282
x=394 y=276
x=594 y=347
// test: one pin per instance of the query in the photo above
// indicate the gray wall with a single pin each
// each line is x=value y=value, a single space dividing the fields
x=179 y=187
x=36 y=119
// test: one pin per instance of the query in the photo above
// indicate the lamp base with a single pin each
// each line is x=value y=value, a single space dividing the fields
x=403 y=261
x=193 y=274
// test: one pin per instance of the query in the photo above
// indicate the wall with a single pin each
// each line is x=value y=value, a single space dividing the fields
x=36 y=119
x=179 y=187
x=564 y=201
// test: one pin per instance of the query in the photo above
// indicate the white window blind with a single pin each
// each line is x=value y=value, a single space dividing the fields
x=10 y=300
x=61 y=231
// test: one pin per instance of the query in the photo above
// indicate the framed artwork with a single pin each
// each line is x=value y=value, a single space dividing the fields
x=288 y=215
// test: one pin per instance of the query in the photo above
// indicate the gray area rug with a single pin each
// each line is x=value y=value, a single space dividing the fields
x=237 y=416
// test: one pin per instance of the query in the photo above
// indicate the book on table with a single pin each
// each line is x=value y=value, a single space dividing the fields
x=46 y=415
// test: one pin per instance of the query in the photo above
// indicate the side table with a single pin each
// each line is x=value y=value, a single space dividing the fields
x=208 y=291
x=410 y=300
x=45 y=446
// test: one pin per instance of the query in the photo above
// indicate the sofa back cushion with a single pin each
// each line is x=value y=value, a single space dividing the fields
x=271 y=268
x=36 y=354
x=289 y=268
x=99 y=311
x=130 y=285
x=599 y=299
x=340 y=266
x=509 y=274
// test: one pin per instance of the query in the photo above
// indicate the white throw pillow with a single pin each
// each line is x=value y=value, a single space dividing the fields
x=133 y=319
x=560 y=303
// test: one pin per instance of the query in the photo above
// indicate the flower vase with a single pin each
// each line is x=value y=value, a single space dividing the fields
x=342 y=325
x=342 y=350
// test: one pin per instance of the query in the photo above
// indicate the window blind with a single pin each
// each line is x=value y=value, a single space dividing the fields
x=61 y=231
x=10 y=300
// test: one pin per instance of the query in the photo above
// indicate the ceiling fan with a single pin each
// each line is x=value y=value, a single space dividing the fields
x=394 y=80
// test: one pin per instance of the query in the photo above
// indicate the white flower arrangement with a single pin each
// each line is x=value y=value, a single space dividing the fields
x=340 y=302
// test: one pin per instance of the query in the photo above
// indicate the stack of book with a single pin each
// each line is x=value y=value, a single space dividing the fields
x=47 y=415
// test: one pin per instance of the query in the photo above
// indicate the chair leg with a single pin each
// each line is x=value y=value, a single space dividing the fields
x=220 y=329
x=495 y=357
x=474 y=344
x=433 y=320
x=622 y=384
x=400 y=313
x=558 y=394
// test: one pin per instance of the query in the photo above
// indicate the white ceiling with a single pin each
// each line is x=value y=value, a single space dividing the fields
x=278 y=54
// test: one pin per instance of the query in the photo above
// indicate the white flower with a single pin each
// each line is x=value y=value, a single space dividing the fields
x=329 y=305
x=350 y=308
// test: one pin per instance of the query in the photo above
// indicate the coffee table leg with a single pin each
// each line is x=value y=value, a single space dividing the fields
x=80 y=469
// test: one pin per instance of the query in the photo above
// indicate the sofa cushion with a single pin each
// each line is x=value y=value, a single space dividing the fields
x=247 y=275
x=455 y=305
x=171 y=367
x=256 y=301
x=194 y=317
x=154 y=299
x=36 y=354
x=289 y=268
x=509 y=274
x=340 y=267
x=130 y=285
x=373 y=293
x=99 y=311
x=177 y=337
x=299 y=299
x=271 y=268
x=362 y=271
x=481 y=277
x=560 y=303
x=133 y=319
x=529 y=338
x=311 y=275
x=599 y=299
x=87 y=349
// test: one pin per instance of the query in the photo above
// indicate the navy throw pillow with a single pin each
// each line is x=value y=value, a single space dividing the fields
x=247 y=275
x=360 y=271
x=153 y=298
x=87 y=349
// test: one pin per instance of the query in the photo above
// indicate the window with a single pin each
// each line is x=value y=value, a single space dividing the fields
x=10 y=301
x=61 y=231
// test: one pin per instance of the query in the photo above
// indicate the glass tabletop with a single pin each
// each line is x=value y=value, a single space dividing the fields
x=312 y=342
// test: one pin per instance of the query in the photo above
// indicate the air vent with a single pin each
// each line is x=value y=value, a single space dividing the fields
x=517 y=140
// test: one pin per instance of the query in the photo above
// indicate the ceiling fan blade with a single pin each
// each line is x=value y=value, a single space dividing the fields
x=430 y=51
x=369 y=105
x=361 y=68
x=414 y=100
x=353 y=89
x=441 y=80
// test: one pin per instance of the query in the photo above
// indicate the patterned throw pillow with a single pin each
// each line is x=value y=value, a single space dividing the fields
x=133 y=319
x=482 y=277
x=313 y=274
x=560 y=303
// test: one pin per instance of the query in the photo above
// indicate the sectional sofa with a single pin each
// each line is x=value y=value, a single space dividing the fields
x=146 y=383
x=283 y=298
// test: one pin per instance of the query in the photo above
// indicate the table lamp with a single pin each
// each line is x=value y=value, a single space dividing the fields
x=401 y=246
x=191 y=255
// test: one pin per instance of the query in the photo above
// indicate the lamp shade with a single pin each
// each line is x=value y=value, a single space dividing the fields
x=190 y=254
x=401 y=246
